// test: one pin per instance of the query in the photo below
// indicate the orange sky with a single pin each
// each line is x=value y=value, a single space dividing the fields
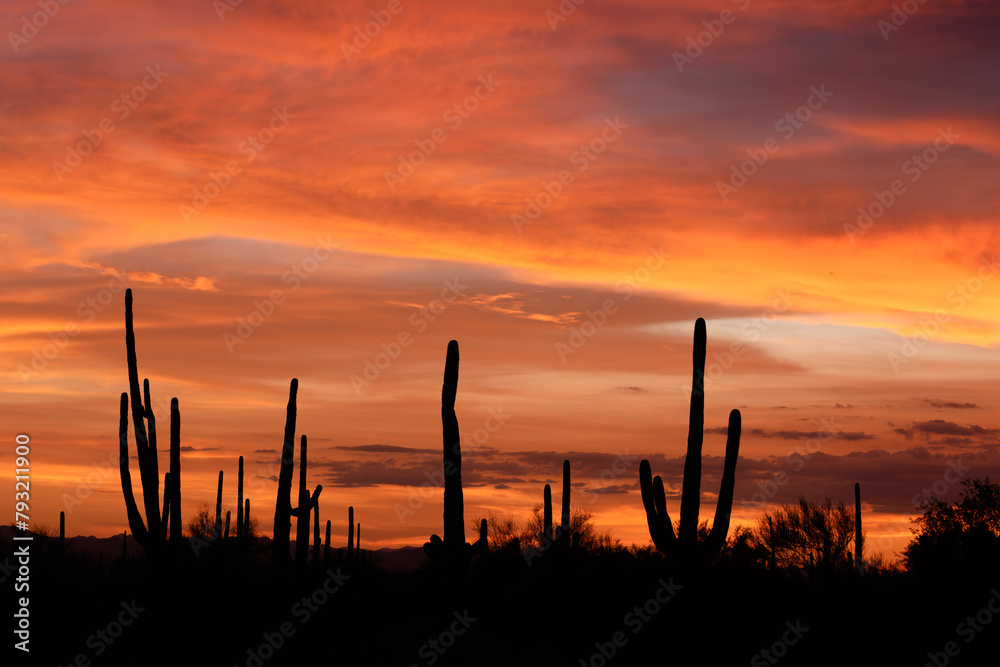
x=536 y=174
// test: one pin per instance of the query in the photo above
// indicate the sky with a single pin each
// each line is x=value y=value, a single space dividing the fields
x=333 y=191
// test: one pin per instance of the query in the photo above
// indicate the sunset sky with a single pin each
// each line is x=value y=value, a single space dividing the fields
x=563 y=189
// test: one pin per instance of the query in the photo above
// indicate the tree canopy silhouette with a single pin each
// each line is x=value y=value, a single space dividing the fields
x=962 y=536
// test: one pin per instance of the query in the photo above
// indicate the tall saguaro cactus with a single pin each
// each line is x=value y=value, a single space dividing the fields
x=453 y=548
x=685 y=543
x=564 y=526
x=151 y=534
x=859 y=539
x=280 y=556
x=350 y=535
x=239 y=506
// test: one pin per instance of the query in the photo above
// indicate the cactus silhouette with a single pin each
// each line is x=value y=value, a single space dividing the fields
x=239 y=505
x=350 y=535
x=453 y=549
x=859 y=562
x=685 y=543
x=563 y=533
x=218 y=509
x=151 y=534
x=326 y=543
x=280 y=556
x=307 y=504
x=564 y=526
x=545 y=538
x=316 y=542
x=62 y=534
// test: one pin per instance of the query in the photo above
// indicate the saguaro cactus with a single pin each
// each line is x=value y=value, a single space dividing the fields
x=453 y=548
x=350 y=535
x=62 y=534
x=545 y=539
x=307 y=504
x=239 y=506
x=685 y=543
x=151 y=534
x=280 y=556
x=218 y=509
x=859 y=562
x=564 y=526
x=326 y=543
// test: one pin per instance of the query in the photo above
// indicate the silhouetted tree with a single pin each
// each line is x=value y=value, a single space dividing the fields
x=803 y=535
x=963 y=536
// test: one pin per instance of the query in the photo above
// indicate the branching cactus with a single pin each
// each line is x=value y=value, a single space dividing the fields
x=453 y=549
x=684 y=545
x=563 y=533
x=307 y=504
x=152 y=533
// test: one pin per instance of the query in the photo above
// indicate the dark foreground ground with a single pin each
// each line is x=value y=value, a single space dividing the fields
x=612 y=610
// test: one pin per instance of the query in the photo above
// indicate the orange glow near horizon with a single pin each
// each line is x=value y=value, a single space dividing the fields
x=561 y=198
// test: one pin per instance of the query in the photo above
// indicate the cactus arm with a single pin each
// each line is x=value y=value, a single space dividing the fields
x=135 y=523
x=723 y=510
x=661 y=529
